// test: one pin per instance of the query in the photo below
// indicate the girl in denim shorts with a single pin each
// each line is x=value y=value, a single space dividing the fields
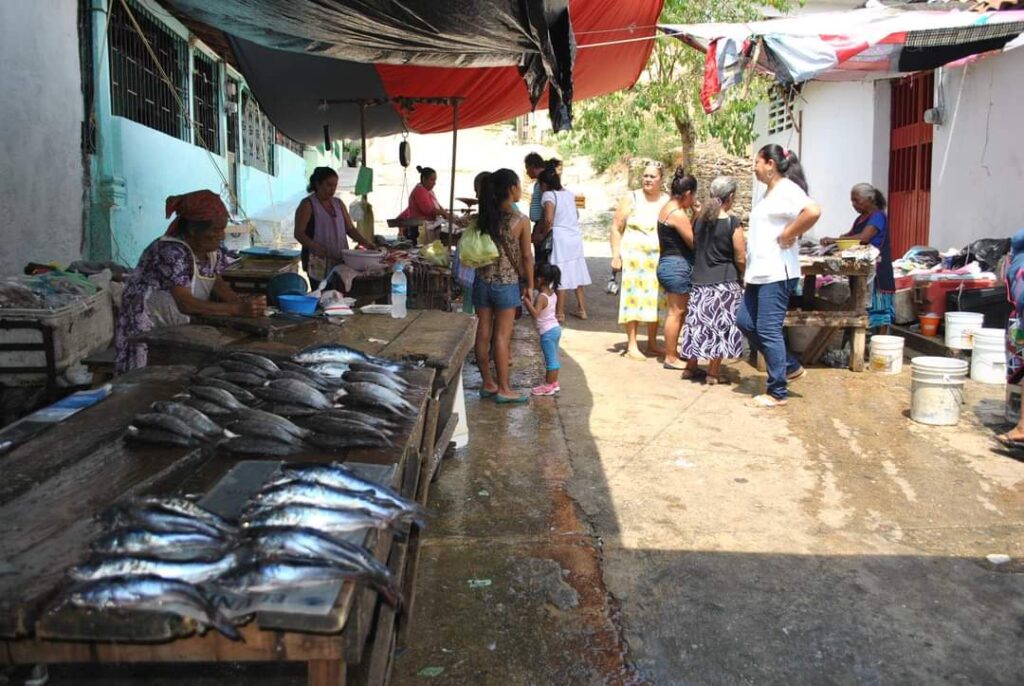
x=548 y=278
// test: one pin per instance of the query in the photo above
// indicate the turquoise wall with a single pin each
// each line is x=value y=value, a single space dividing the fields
x=155 y=165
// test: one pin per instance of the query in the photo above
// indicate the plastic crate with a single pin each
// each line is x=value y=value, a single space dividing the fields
x=76 y=331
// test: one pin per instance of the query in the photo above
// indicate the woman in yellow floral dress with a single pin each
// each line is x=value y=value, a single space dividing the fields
x=635 y=251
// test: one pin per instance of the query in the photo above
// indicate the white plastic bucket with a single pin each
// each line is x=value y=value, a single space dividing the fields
x=988 y=358
x=960 y=326
x=937 y=390
x=1012 y=403
x=886 y=354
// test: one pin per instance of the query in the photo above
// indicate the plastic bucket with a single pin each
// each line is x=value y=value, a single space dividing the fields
x=988 y=358
x=929 y=324
x=886 y=354
x=1012 y=403
x=937 y=390
x=960 y=328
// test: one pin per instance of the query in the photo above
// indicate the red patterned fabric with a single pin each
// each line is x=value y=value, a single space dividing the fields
x=202 y=205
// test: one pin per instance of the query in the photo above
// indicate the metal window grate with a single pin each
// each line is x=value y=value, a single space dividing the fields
x=779 y=119
x=258 y=136
x=232 y=127
x=290 y=144
x=137 y=91
x=206 y=102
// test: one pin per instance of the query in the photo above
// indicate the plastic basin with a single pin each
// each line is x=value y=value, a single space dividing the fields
x=298 y=304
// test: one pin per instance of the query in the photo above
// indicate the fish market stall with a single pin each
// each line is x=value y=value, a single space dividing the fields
x=187 y=518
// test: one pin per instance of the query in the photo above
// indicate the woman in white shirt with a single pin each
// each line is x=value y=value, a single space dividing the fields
x=561 y=215
x=784 y=214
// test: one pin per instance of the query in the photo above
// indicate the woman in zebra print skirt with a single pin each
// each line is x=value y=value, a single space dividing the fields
x=719 y=259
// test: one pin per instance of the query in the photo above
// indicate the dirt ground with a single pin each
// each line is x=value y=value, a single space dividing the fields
x=645 y=529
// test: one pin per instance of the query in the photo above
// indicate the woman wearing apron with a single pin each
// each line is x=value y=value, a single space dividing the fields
x=323 y=226
x=178 y=275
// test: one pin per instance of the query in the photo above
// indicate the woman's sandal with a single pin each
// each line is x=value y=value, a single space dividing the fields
x=1007 y=442
x=674 y=367
x=694 y=374
x=766 y=401
x=580 y=314
x=636 y=357
x=710 y=380
x=518 y=400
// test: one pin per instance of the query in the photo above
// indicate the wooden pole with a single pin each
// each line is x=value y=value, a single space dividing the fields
x=362 y=130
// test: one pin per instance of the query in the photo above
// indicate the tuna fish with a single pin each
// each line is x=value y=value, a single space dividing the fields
x=161 y=421
x=269 y=417
x=375 y=378
x=371 y=395
x=340 y=426
x=243 y=379
x=147 y=435
x=254 y=445
x=241 y=394
x=292 y=392
x=257 y=429
x=216 y=395
x=264 y=363
x=242 y=367
x=190 y=415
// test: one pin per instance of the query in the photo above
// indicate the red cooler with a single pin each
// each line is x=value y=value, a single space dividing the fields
x=930 y=296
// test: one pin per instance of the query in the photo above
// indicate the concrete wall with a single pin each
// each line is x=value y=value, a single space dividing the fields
x=978 y=153
x=843 y=140
x=40 y=133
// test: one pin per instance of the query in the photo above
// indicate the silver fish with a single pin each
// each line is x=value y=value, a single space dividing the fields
x=371 y=395
x=184 y=506
x=157 y=518
x=292 y=392
x=375 y=378
x=241 y=394
x=168 y=545
x=319 y=518
x=289 y=366
x=317 y=382
x=150 y=593
x=341 y=426
x=165 y=422
x=338 y=476
x=216 y=395
x=192 y=571
x=264 y=363
x=286 y=410
x=147 y=435
x=204 y=406
x=254 y=445
x=348 y=441
x=271 y=418
x=310 y=543
x=190 y=415
x=338 y=354
x=258 y=429
x=329 y=370
x=242 y=367
x=306 y=493
x=268 y=575
x=378 y=369
x=243 y=379
x=382 y=423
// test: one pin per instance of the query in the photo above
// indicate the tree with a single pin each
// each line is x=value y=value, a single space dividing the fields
x=663 y=110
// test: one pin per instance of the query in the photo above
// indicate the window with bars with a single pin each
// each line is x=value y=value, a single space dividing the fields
x=258 y=136
x=137 y=90
x=290 y=144
x=233 y=89
x=779 y=119
x=206 y=102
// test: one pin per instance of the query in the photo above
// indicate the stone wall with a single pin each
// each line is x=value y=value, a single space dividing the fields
x=710 y=160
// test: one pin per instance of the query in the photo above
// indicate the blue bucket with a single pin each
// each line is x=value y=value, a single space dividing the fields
x=298 y=304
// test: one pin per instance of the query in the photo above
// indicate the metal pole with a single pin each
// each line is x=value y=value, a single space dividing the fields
x=455 y=146
x=362 y=130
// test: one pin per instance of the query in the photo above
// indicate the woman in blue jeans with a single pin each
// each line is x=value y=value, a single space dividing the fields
x=496 y=293
x=784 y=214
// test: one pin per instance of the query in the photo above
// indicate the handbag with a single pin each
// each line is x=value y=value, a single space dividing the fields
x=476 y=248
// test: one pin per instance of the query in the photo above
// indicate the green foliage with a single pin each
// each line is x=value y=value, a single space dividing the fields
x=662 y=111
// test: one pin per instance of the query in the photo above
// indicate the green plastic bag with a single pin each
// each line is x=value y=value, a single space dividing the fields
x=364 y=181
x=436 y=254
x=476 y=249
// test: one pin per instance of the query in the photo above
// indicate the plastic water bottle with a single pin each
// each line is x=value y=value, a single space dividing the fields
x=399 y=292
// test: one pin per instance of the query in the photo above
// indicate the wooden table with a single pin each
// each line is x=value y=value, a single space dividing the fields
x=55 y=485
x=852 y=315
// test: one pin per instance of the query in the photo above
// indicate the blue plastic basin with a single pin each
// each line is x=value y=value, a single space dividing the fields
x=298 y=304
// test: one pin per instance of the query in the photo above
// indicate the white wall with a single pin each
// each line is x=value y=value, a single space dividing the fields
x=978 y=153
x=40 y=133
x=843 y=140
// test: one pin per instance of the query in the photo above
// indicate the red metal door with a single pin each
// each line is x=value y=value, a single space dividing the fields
x=910 y=162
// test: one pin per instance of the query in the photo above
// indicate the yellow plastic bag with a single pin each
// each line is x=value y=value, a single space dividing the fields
x=436 y=254
x=476 y=249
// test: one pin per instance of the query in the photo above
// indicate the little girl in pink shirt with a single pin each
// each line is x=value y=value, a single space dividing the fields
x=548 y=277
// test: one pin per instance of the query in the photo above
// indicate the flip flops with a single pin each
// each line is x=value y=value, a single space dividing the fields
x=518 y=400
x=487 y=394
x=1007 y=442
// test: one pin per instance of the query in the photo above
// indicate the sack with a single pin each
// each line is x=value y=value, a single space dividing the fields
x=476 y=249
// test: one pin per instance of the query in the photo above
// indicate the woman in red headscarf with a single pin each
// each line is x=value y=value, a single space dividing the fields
x=179 y=275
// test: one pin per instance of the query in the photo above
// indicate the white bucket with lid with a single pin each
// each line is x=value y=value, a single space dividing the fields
x=937 y=390
x=988 y=358
x=960 y=326
x=886 y=354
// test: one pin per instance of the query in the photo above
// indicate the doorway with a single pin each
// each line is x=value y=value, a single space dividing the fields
x=910 y=162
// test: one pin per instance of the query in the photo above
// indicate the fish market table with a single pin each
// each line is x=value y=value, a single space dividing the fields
x=56 y=484
x=851 y=316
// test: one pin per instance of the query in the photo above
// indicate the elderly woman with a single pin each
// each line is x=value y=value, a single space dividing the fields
x=718 y=263
x=635 y=250
x=423 y=204
x=179 y=275
x=561 y=215
x=784 y=214
x=872 y=227
x=323 y=226
x=675 y=240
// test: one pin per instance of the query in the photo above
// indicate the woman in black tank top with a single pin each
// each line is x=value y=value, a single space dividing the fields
x=675 y=238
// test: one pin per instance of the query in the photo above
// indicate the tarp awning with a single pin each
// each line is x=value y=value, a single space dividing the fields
x=858 y=44
x=502 y=57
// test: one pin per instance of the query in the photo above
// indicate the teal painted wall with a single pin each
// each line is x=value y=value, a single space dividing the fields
x=155 y=165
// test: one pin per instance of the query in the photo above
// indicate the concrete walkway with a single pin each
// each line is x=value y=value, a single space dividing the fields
x=645 y=529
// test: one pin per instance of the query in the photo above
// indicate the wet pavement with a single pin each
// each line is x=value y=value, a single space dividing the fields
x=645 y=529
